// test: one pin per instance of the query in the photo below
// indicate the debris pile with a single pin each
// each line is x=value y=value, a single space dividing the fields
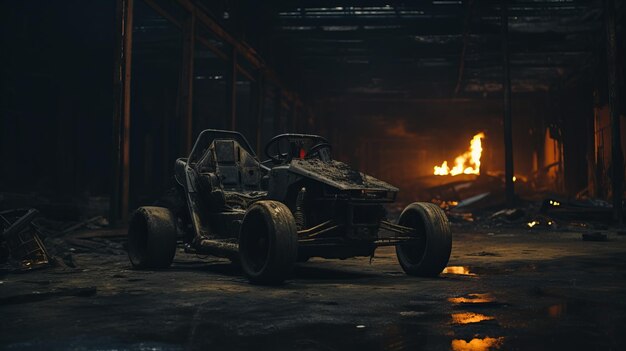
x=480 y=203
x=20 y=242
x=51 y=234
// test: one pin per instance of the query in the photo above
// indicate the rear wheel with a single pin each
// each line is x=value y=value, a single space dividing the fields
x=429 y=256
x=268 y=243
x=152 y=237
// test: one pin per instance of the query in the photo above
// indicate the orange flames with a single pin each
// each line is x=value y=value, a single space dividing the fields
x=468 y=162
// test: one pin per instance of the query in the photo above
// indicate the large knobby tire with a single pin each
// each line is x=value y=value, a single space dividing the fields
x=429 y=256
x=152 y=237
x=268 y=243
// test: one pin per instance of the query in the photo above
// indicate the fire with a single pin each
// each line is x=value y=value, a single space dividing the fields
x=468 y=162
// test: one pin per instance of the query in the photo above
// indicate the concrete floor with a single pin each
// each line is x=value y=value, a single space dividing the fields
x=510 y=289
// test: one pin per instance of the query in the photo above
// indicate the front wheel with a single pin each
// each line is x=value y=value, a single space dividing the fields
x=430 y=255
x=268 y=243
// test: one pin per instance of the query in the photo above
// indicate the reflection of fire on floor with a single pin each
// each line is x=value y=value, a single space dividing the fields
x=460 y=270
x=469 y=317
x=476 y=344
x=473 y=299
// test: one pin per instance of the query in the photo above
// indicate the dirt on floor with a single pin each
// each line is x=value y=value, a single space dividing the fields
x=508 y=289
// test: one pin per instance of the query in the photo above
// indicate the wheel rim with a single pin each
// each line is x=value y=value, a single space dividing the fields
x=413 y=253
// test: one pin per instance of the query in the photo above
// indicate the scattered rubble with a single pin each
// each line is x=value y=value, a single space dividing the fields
x=21 y=239
x=91 y=223
x=480 y=203
x=31 y=239
x=512 y=214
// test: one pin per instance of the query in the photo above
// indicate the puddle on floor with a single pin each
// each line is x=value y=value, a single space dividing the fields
x=412 y=313
x=477 y=344
x=473 y=299
x=460 y=270
x=469 y=317
x=601 y=311
x=491 y=270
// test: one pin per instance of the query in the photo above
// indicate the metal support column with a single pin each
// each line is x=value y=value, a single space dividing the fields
x=118 y=206
x=506 y=87
x=617 y=159
x=186 y=83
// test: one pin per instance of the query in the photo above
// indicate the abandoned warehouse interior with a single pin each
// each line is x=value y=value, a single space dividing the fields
x=507 y=115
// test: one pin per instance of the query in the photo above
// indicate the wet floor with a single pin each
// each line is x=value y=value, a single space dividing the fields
x=501 y=291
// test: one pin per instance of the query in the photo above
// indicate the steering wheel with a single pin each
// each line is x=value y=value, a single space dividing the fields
x=281 y=157
x=316 y=148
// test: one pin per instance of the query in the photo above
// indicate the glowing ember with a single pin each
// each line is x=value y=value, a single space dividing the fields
x=467 y=163
x=532 y=224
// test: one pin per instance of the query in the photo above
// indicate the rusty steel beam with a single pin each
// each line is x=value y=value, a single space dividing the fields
x=242 y=48
x=245 y=50
x=617 y=159
x=161 y=11
x=506 y=87
x=186 y=83
x=239 y=48
x=219 y=53
x=245 y=73
x=118 y=206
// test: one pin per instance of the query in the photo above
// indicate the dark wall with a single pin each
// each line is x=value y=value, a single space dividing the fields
x=56 y=96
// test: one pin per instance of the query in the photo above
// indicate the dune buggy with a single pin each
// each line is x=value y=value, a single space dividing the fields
x=299 y=203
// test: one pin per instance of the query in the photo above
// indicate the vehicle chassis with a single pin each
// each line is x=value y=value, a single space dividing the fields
x=239 y=208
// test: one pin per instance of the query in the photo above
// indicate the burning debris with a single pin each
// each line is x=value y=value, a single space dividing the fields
x=466 y=163
x=478 y=201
